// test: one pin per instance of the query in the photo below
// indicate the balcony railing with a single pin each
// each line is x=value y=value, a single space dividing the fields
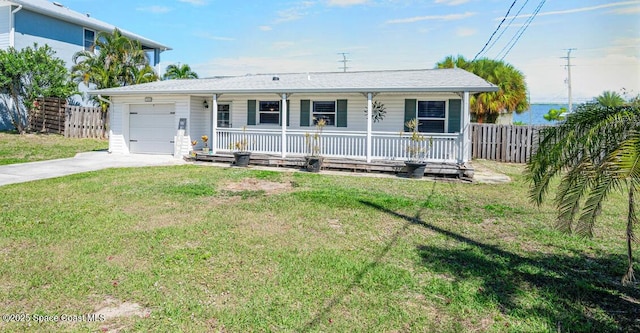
x=384 y=145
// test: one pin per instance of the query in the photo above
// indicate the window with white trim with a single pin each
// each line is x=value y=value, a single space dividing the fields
x=89 y=39
x=432 y=116
x=324 y=110
x=269 y=112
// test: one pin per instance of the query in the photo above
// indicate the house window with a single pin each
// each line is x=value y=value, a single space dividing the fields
x=431 y=116
x=269 y=112
x=223 y=115
x=89 y=39
x=326 y=111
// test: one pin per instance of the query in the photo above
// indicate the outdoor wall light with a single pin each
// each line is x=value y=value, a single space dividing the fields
x=205 y=104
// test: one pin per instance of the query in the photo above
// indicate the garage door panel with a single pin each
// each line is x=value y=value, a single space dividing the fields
x=151 y=128
x=149 y=147
x=150 y=134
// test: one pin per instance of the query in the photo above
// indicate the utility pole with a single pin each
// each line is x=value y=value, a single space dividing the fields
x=344 y=61
x=568 y=57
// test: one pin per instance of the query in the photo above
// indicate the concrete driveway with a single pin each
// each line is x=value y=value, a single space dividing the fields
x=83 y=162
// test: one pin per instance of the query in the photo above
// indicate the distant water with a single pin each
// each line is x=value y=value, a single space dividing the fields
x=535 y=114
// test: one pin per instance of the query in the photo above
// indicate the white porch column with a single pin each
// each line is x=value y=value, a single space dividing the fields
x=466 y=129
x=369 y=124
x=283 y=120
x=214 y=124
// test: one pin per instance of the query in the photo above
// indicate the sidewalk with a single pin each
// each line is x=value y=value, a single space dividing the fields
x=82 y=162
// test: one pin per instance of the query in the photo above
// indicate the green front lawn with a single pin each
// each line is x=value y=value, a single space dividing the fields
x=16 y=148
x=196 y=248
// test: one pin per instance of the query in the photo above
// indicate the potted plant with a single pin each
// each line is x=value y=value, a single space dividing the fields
x=205 y=139
x=241 y=155
x=313 y=162
x=193 y=147
x=416 y=151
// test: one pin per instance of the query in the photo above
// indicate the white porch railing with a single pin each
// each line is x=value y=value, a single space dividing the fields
x=385 y=145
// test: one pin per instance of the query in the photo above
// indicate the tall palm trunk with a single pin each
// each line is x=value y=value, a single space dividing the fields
x=629 y=277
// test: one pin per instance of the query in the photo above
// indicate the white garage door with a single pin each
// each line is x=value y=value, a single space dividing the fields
x=151 y=128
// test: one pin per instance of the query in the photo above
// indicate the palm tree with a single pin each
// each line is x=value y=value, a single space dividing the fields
x=610 y=99
x=113 y=61
x=512 y=96
x=179 y=72
x=596 y=150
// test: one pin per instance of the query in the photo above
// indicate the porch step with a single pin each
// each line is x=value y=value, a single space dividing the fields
x=343 y=164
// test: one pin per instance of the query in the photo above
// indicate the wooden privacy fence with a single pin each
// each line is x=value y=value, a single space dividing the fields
x=85 y=122
x=53 y=115
x=48 y=115
x=504 y=143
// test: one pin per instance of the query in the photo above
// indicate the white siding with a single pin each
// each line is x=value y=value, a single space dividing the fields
x=356 y=106
x=117 y=141
x=200 y=120
x=5 y=26
x=119 y=132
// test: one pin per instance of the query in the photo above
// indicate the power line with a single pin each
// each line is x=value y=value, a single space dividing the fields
x=521 y=31
x=495 y=31
x=508 y=25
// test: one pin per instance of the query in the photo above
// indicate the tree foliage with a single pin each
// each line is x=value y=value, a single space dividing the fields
x=594 y=151
x=28 y=74
x=610 y=99
x=555 y=114
x=113 y=61
x=512 y=96
x=183 y=71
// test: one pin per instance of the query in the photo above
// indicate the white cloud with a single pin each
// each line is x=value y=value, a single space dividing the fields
x=465 y=32
x=207 y=35
x=257 y=65
x=294 y=13
x=627 y=11
x=450 y=17
x=452 y=2
x=346 y=3
x=582 y=9
x=590 y=76
x=265 y=28
x=155 y=9
x=283 y=45
x=195 y=2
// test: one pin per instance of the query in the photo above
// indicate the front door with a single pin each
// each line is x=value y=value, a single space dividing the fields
x=223 y=116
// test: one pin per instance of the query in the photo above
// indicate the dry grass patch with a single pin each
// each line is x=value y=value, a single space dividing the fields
x=253 y=184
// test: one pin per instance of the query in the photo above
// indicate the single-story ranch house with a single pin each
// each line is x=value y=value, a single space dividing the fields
x=274 y=112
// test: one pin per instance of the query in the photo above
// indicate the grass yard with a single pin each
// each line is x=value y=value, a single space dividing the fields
x=15 y=148
x=198 y=248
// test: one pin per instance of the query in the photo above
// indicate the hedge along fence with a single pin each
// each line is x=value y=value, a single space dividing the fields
x=504 y=143
x=53 y=115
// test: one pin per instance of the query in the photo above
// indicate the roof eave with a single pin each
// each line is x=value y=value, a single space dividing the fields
x=472 y=90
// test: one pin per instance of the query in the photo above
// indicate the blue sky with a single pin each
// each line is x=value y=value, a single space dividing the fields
x=224 y=37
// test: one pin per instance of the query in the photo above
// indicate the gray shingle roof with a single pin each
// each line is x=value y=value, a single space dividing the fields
x=427 y=80
x=48 y=8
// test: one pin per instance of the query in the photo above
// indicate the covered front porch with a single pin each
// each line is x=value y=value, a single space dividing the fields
x=438 y=147
x=334 y=142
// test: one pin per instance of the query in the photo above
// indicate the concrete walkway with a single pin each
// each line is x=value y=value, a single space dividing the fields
x=83 y=162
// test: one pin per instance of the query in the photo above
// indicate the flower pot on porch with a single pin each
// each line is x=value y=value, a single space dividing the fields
x=205 y=150
x=241 y=158
x=313 y=163
x=415 y=169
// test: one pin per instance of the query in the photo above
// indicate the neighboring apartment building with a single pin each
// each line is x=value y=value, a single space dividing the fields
x=25 y=22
